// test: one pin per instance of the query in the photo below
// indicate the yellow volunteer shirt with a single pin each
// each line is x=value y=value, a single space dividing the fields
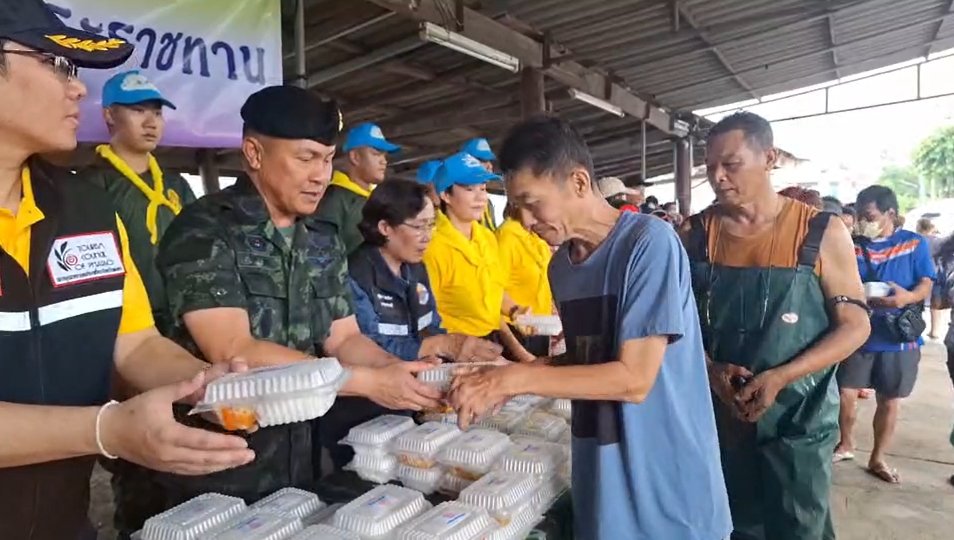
x=15 y=241
x=342 y=180
x=524 y=258
x=466 y=279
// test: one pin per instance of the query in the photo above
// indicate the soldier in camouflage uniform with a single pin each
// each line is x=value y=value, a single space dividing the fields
x=147 y=199
x=252 y=272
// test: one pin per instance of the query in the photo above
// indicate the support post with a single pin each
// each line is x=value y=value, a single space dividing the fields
x=208 y=170
x=683 y=166
x=301 y=68
x=642 y=151
x=532 y=100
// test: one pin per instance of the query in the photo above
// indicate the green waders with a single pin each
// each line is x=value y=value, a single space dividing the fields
x=777 y=470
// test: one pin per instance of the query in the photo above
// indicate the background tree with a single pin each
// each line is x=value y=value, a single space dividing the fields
x=903 y=180
x=934 y=158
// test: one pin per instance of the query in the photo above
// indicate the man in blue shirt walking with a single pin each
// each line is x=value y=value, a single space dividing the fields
x=899 y=263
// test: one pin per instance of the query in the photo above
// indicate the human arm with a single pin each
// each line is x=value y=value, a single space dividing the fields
x=925 y=272
x=849 y=325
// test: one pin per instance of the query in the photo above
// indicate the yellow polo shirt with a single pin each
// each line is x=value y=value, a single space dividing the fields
x=15 y=241
x=466 y=279
x=524 y=258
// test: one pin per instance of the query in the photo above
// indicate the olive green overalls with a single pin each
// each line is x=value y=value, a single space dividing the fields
x=777 y=470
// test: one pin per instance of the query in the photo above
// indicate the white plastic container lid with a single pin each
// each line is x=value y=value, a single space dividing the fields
x=448 y=521
x=381 y=510
x=533 y=457
x=504 y=494
x=520 y=406
x=519 y=528
x=444 y=418
x=325 y=532
x=451 y=484
x=440 y=377
x=291 y=502
x=258 y=525
x=424 y=480
x=562 y=408
x=547 y=494
x=425 y=440
x=505 y=421
x=543 y=325
x=877 y=289
x=532 y=399
x=474 y=451
x=378 y=431
x=374 y=468
x=193 y=518
x=545 y=426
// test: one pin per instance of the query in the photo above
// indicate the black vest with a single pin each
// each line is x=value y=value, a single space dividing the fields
x=58 y=331
x=403 y=308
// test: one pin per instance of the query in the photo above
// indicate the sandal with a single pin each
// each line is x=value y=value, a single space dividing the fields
x=842 y=456
x=885 y=473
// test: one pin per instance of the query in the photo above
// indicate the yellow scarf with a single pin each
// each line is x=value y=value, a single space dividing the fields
x=342 y=180
x=155 y=195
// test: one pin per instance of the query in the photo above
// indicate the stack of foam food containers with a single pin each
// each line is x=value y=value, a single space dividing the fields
x=416 y=451
x=370 y=441
x=532 y=456
x=377 y=513
x=449 y=521
x=193 y=519
x=272 y=396
x=562 y=408
x=472 y=455
x=325 y=532
x=540 y=325
x=541 y=425
x=291 y=502
x=506 y=495
x=257 y=525
x=552 y=487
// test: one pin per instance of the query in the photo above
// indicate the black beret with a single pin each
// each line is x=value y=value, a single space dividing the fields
x=291 y=112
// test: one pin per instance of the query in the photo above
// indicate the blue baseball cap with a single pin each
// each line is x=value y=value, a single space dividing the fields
x=130 y=88
x=427 y=170
x=461 y=169
x=368 y=134
x=479 y=148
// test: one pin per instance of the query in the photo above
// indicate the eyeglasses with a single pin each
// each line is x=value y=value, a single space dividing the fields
x=62 y=66
x=422 y=229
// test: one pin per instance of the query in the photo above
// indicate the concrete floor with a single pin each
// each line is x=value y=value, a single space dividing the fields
x=865 y=508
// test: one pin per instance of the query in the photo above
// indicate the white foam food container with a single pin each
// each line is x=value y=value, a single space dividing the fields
x=277 y=394
x=505 y=421
x=534 y=457
x=549 y=491
x=193 y=518
x=452 y=485
x=444 y=418
x=291 y=502
x=519 y=528
x=424 y=480
x=325 y=532
x=562 y=408
x=531 y=399
x=449 y=521
x=545 y=426
x=542 y=325
x=877 y=289
x=379 y=469
x=258 y=525
x=418 y=447
x=518 y=406
x=440 y=377
x=375 y=434
x=473 y=453
x=381 y=510
x=502 y=493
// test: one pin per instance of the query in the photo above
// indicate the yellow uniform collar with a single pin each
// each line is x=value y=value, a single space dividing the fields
x=344 y=181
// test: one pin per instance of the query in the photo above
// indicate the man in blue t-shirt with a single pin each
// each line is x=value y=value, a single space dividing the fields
x=898 y=272
x=645 y=450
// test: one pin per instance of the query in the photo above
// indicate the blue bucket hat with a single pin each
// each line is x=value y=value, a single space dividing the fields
x=461 y=169
x=130 y=88
x=368 y=134
x=427 y=170
x=479 y=148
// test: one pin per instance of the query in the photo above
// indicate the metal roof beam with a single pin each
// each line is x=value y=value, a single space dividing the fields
x=678 y=10
x=940 y=26
x=834 y=48
x=531 y=54
x=374 y=57
x=315 y=45
x=439 y=122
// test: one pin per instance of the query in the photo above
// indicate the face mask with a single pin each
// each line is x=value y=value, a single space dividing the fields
x=869 y=229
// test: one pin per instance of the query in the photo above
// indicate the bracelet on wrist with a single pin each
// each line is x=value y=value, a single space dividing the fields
x=99 y=438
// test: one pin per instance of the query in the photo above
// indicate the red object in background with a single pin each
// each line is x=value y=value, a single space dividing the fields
x=629 y=208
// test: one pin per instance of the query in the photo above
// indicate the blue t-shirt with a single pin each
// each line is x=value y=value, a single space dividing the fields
x=903 y=258
x=649 y=471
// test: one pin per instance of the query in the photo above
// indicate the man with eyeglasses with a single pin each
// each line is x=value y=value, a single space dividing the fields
x=72 y=304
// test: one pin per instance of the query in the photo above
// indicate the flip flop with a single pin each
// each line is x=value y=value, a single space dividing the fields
x=885 y=473
x=842 y=456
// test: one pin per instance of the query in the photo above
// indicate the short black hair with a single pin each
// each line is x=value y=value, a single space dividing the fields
x=757 y=130
x=883 y=198
x=394 y=201
x=652 y=199
x=848 y=210
x=670 y=205
x=546 y=145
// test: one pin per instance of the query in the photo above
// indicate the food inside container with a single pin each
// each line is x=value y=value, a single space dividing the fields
x=502 y=493
x=381 y=510
x=539 y=325
x=374 y=435
x=451 y=484
x=418 y=447
x=424 y=480
x=505 y=421
x=193 y=518
x=562 y=408
x=472 y=454
x=545 y=426
x=379 y=469
x=275 y=395
x=444 y=418
x=519 y=528
x=258 y=525
x=325 y=532
x=533 y=457
x=448 y=521
x=549 y=491
x=291 y=502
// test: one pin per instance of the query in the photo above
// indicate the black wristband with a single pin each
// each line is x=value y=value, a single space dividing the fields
x=842 y=299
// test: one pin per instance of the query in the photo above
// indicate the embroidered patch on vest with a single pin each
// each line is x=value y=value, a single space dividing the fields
x=84 y=257
x=790 y=318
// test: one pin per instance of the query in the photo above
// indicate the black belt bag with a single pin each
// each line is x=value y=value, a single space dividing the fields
x=904 y=326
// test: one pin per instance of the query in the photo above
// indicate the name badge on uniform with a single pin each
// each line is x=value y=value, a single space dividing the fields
x=423 y=295
x=84 y=257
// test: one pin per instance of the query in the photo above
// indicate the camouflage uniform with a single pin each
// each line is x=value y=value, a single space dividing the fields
x=136 y=494
x=224 y=251
x=343 y=208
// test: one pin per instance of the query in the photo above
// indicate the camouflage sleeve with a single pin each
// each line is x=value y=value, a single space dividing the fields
x=343 y=302
x=198 y=266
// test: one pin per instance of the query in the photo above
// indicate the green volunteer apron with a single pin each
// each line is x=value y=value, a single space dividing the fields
x=777 y=470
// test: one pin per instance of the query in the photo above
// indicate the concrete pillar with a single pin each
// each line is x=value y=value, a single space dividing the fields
x=683 y=173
